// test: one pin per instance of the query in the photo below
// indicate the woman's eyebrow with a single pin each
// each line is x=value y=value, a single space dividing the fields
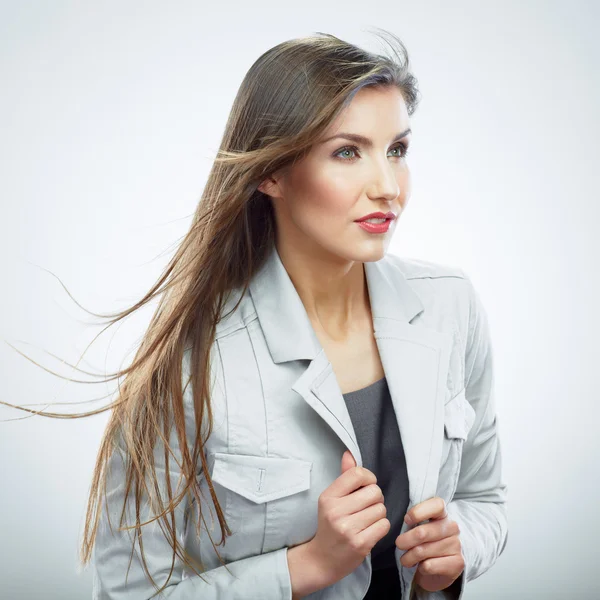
x=361 y=139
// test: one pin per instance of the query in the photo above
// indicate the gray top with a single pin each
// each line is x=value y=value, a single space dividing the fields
x=376 y=427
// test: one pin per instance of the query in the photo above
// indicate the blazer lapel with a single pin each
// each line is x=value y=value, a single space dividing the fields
x=415 y=360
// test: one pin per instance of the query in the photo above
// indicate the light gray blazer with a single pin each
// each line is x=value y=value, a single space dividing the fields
x=281 y=426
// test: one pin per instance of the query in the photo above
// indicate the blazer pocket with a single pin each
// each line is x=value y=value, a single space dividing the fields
x=263 y=504
x=261 y=478
x=459 y=416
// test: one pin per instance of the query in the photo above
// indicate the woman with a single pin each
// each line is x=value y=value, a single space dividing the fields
x=309 y=389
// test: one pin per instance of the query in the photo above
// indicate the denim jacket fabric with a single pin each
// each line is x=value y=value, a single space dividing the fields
x=281 y=426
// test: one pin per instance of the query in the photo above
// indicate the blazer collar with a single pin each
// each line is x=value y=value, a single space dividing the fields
x=415 y=359
x=287 y=329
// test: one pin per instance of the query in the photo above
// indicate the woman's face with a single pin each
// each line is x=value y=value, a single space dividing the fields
x=317 y=200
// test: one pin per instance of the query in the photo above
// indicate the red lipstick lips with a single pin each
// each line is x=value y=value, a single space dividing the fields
x=377 y=215
x=380 y=227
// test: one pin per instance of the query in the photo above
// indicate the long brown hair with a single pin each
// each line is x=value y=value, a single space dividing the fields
x=286 y=100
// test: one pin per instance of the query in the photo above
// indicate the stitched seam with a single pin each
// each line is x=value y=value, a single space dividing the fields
x=224 y=393
x=463 y=344
x=262 y=389
x=463 y=353
x=456 y=395
x=466 y=421
x=230 y=329
x=433 y=277
x=433 y=421
x=474 y=317
x=227 y=506
x=317 y=386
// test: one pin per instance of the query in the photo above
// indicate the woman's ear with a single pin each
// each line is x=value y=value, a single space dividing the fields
x=272 y=185
x=269 y=187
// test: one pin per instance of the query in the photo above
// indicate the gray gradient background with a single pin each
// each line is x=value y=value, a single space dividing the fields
x=110 y=115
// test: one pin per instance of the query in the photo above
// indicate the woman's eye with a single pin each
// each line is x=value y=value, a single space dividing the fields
x=403 y=148
x=346 y=150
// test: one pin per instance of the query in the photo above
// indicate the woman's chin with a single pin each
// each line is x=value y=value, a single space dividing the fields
x=369 y=252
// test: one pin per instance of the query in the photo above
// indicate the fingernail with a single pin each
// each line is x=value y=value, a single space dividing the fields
x=408 y=520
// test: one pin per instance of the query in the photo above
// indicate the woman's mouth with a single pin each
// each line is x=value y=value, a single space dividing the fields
x=375 y=225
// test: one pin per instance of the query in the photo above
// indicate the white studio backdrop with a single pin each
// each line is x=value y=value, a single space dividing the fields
x=110 y=115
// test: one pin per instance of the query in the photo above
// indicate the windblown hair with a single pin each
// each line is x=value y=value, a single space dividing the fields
x=284 y=104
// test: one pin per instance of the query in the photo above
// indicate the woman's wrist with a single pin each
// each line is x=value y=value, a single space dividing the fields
x=305 y=573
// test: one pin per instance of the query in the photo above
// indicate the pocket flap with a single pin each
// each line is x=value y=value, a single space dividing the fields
x=261 y=478
x=458 y=416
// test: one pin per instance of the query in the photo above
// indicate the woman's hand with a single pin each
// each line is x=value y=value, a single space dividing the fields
x=435 y=546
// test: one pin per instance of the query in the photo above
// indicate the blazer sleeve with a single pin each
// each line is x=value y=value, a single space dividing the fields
x=266 y=575
x=479 y=503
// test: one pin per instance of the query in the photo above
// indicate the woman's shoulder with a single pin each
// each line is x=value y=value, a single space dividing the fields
x=445 y=290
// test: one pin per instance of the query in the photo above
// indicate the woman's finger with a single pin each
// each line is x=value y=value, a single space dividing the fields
x=427 y=532
x=445 y=547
